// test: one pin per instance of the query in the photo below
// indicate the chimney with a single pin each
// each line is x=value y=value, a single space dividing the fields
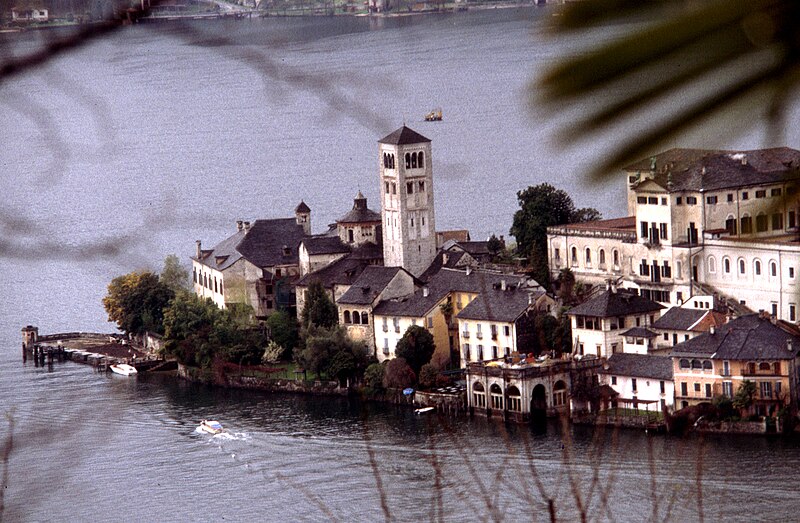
x=445 y=257
x=238 y=225
x=199 y=250
x=744 y=159
x=469 y=270
x=286 y=251
x=712 y=330
x=503 y=285
x=425 y=291
x=246 y=226
x=789 y=345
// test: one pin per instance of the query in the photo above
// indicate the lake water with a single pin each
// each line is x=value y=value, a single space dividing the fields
x=133 y=147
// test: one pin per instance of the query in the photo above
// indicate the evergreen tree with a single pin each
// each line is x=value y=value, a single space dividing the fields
x=319 y=310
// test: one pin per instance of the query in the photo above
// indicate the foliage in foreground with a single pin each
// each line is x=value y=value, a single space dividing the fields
x=136 y=302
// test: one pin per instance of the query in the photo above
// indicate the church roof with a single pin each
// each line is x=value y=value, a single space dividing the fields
x=404 y=136
x=302 y=207
x=360 y=213
x=264 y=243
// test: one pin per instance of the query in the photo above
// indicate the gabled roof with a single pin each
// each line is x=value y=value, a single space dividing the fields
x=453 y=259
x=639 y=366
x=640 y=332
x=697 y=169
x=679 y=319
x=750 y=337
x=476 y=248
x=224 y=254
x=263 y=245
x=498 y=305
x=369 y=285
x=302 y=207
x=610 y=304
x=324 y=245
x=403 y=136
x=341 y=272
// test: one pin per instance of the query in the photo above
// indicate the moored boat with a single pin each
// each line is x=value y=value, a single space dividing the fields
x=124 y=369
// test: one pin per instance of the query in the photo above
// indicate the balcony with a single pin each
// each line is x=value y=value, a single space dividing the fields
x=465 y=334
x=479 y=335
x=494 y=336
x=385 y=328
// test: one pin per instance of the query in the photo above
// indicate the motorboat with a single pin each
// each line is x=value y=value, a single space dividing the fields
x=124 y=369
x=423 y=410
x=211 y=426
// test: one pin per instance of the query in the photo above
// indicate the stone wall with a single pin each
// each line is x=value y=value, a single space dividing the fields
x=732 y=427
x=244 y=381
x=444 y=403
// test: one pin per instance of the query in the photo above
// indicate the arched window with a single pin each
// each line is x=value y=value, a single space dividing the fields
x=364 y=318
x=497 y=396
x=514 y=398
x=385 y=161
x=747 y=224
x=588 y=256
x=559 y=394
x=684 y=364
x=601 y=257
x=776 y=367
x=761 y=222
x=356 y=317
x=421 y=159
x=712 y=264
x=391 y=161
x=726 y=265
x=347 y=316
x=773 y=268
x=696 y=364
x=764 y=366
x=194 y=275
x=730 y=224
x=478 y=395
x=574 y=255
x=615 y=257
x=413 y=160
x=408 y=160
x=706 y=365
x=742 y=266
x=757 y=267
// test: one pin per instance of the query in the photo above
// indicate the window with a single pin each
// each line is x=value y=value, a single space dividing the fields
x=741 y=266
x=792 y=312
x=730 y=225
x=421 y=159
x=726 y=368
x=641 y=199
x=514 y=398
x=643 y=229
x=684 y=389
x=679 y=201
x=774 y=309
x=347 y=316
x=396 y=324
x=663 y=200
x=364 y=318
x=708 y=390
x=776 y=192
x=697 y=387
x=574 y=256
x=633 y=385
x=494 y=352
x=791 y=219
x=777 y=221
x=387 y=187
x=557 y=253
x=691 y=200
x=747 y=224
x=480 y=352
x=727 y=389
x=730 y=197
x=712 y=264
x=662 y=387
x=726 y=265
x=761 y=193
x=588 y=256
x=663 y=231
x=601 y=257
x=791 y=272
x=761 y=223
x=773 y=268
x=745 y=196
x=766 y=389
x=422 y=187
x=711 y=200
x=644 y=268
x=409 y=187
x=386 y=345
x=613 y=380
x=652 y=200
x=478 y=395
x=506 y=330
x=757 y=267
x=615 y=257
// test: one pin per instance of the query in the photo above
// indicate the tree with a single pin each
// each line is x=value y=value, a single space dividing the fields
x=745 y=395
x=416 y=347
x=174 y=275
x=540 y=207
x=283 y=329
x=373 y=376
x=427 y=376
x=273 y=353
x=331 y=351
x=495 y=246
x=136 y=302
x=398 y=374
x=319 y=310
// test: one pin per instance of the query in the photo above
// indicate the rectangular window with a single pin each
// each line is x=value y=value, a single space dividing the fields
x=641 y=199
x=766 y=389
x=711 y=200
x=745 y=196
x=691 y=200
x=708 y=390
x=727 y=389
x=663 y=231
x=747 y=225
x=557 y=254
x=730 y=197
x=776 y=192
x=777 y=221
x=410 y=187
x=791 y=273
x=792 y=312
x=761 y=223
x=430 y=322
x=633 y=385
x=684 y=389
x=697 y=387
x=652 y=200
x=663 y=201
x=506 y=330
x=613 y=380
x=679 y=200
x=422 y=189
x=761 y=193
x=386 y=345
x=666 y=270
x=644 y=268
x=662 y=386
x=643 y=229
x=396 y=324
x=792 y=221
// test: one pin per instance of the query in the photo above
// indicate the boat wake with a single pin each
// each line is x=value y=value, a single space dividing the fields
x=232 y=436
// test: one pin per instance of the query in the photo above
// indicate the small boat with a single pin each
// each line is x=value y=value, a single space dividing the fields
x=211 y=426
x=434 y=116
x=423 y=410
x=124 y=369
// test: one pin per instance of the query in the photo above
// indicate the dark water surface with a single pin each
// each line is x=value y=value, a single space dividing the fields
x=133 y=147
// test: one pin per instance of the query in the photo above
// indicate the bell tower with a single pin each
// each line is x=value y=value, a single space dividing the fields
x=406 y=189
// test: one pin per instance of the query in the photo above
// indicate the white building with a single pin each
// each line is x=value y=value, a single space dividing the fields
x=703 y=222
x=642 y=381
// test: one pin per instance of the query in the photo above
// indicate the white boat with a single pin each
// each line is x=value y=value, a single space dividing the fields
x=124 y=369
x=423 y=410
x=211 y=426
